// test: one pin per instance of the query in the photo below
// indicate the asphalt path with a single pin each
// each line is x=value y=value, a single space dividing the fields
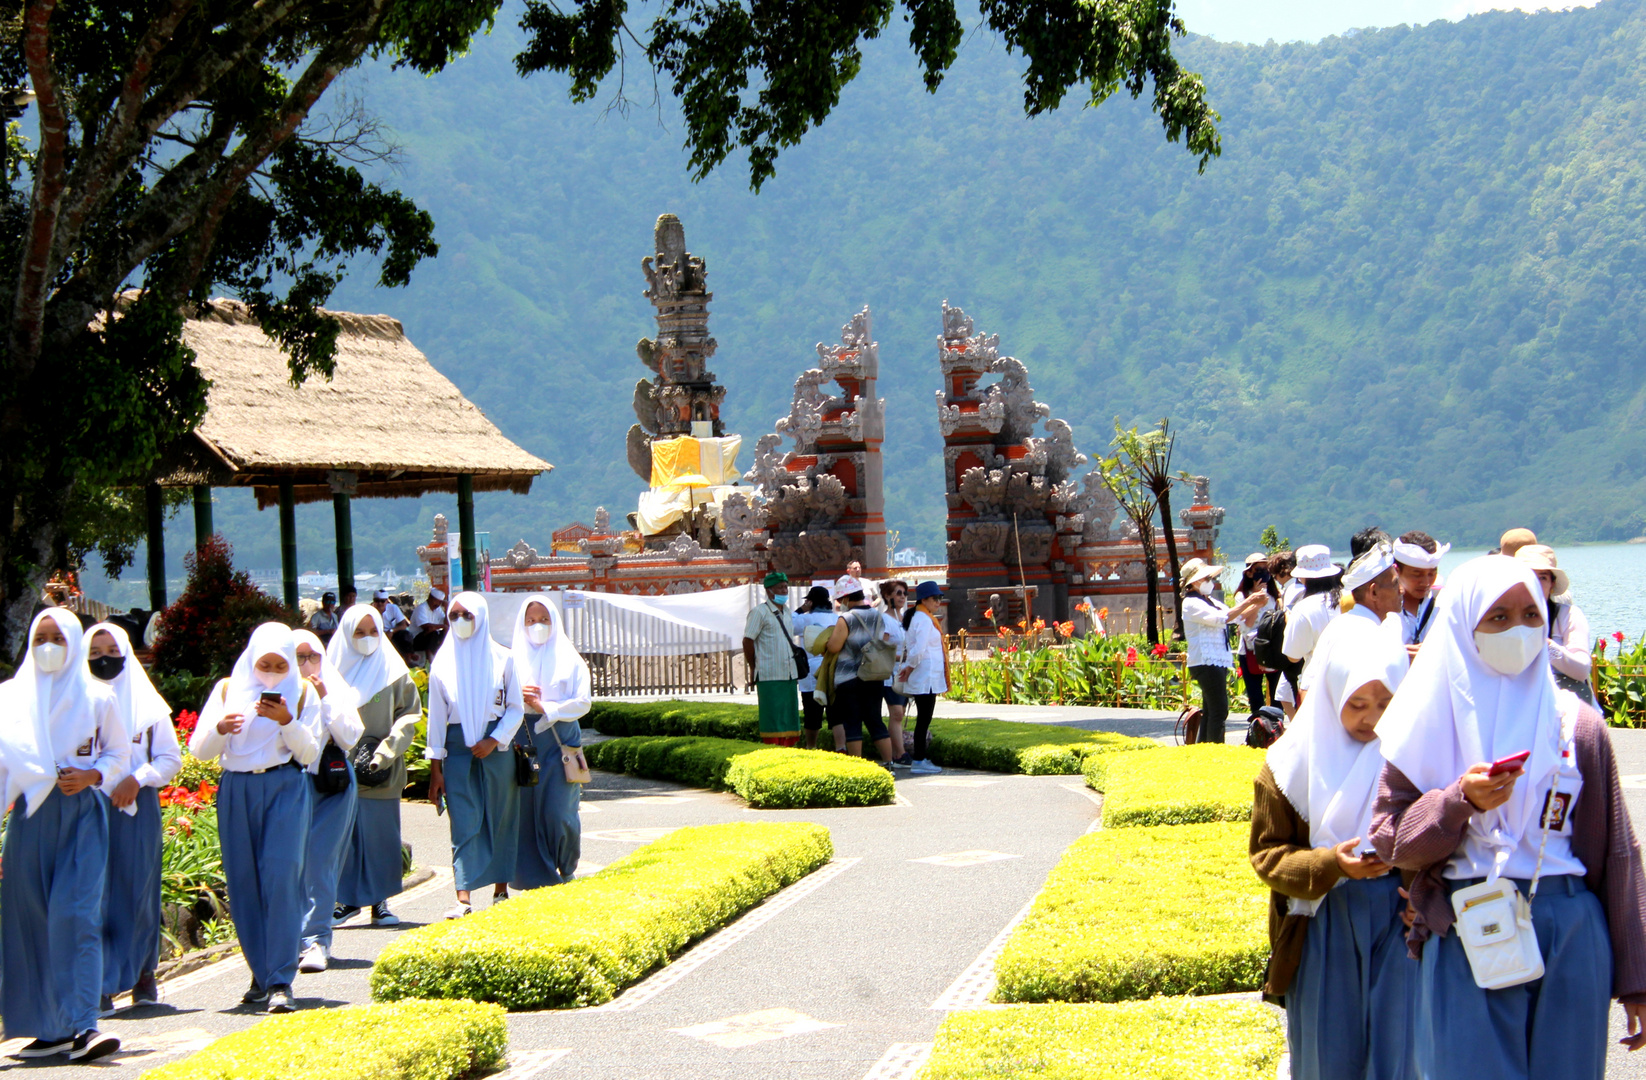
x=845 y=975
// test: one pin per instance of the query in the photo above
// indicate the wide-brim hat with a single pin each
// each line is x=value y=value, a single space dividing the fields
x=1314 y=561
x=1256 y=558
x=845 y=585
x=1197 y=570
x=1542 y=557
x=1515 y=539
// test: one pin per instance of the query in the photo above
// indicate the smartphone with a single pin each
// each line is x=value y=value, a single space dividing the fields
x=440 y=806
x=270 y=696
x=1509 y=764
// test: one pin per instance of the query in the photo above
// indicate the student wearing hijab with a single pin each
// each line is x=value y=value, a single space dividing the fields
x=131 y=920
x=264 y=724
x=475 y=707
x=390 y=710
x=63 y=745
x=1417 y=561
x=1338 y=951
x=332 y=817
x=556 y=689
x=1479 y=692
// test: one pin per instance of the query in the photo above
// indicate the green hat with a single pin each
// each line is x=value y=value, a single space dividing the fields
x=776 y=577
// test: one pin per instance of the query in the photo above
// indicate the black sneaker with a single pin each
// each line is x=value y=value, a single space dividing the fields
x=91 y=1045
x=40 y=1048
x=147 y=991
x=254 y=996
x=280 y=999
x=105 y=1006
x=904 y=762
x=382 y=916
x=342 y=913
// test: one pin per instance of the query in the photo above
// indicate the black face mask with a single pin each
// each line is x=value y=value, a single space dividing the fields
x=107 y=667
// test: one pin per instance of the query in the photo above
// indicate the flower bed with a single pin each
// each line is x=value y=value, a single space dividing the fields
x=769 y=778
x=1620 y=679
x=1032 y=668
x=1175 y=785
x=1133 y=913
x=1014 y=747
x=406 y=1040
x=581 y=943
x=1175 y=1038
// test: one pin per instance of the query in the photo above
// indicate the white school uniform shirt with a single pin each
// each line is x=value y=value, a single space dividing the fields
x=297 y=741
x=802 y=620
x=923 y=650
x=339 y=718
x=1205 y=630
x=1410 y=621
x=1304 y=624
x=156 y=757
x=505 y=702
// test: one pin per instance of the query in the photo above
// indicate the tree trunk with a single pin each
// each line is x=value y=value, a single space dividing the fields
x=27 y=561
x=1164 y=496
x=1151 y=572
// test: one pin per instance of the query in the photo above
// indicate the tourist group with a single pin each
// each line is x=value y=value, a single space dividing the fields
x=1456 y=887
x=312 y=740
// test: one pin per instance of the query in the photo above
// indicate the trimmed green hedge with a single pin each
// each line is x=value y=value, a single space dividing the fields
x=711 y=719
x=1160 y=1039
x=769 y=778
x=581 y=943
x=1132 y=913
x=1175 y=785
x=405 y=1040
x=1011 y=746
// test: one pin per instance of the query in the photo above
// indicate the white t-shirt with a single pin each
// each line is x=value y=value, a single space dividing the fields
x=424 y=615
x=1304 y=624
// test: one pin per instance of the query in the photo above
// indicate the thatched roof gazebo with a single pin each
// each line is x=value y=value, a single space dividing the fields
x=386 y=424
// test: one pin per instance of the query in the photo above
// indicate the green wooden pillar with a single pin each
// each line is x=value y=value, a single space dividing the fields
x=345 y=542
x=288 y=544
x=157 y=546
x=202 y=514
x=465 y=526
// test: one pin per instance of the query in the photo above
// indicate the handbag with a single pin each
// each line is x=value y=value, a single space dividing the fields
x=1494 y=922
x=364 y=774
x=331 y=776
x=525 y=765
x=572 y=760
x=878 y=659
x=1187 y=728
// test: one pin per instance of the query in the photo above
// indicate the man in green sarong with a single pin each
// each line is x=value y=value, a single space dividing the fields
x=768 y=650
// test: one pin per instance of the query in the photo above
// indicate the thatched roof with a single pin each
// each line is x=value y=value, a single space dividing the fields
x=386 y=415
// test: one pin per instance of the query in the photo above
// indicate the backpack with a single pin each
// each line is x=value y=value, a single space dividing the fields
x=1268 y=638
x=1266 y=725
x=1187 y=728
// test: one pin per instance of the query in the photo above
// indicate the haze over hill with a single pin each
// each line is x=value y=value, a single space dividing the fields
x=1410 y=292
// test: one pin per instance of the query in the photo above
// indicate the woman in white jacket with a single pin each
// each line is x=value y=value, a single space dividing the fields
x=926 y=671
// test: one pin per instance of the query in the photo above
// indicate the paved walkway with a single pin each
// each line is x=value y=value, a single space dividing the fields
x=844 y=976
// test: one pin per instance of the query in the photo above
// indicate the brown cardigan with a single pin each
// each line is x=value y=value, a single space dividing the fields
x=1286 y=863
x=1420 y=831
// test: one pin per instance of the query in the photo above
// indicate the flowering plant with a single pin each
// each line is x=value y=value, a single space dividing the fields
x=1131 y=656
x=1160 y=649
x=199 y=798
x=185 y=722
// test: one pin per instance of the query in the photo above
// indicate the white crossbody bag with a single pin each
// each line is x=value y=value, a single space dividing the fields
x=1494 y=922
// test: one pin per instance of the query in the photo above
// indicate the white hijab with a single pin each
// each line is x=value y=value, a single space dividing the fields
x=554 y=667
x=46 y=715
x=367 y=674
x=244 y=688
x=1329 y=776
x=467 y=669
x=340 y=693
x=139 y=702
x=1453 y=711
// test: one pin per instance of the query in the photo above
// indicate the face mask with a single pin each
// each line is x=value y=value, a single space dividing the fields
x=1510 y=652
x=269 y=679
x=780 y=599
x=49 y=658
x=365 y=646
x=1205 y=587
x=538 y=633
x=106 y=667
x=463 y=628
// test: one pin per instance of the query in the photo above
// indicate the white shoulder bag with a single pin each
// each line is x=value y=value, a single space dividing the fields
x=1494 y=922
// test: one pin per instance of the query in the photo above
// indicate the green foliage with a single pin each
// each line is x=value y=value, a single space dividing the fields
x=1011 y=746
x=1271 y=541
x=183 y=691
x=1620 y=679
x=580 y=943
x=194 y=771
x=713 y=719
x=402 y=1040
x=205 y=630
x=1132 y=913
x=1158 y=1039
x=1176 y=785
x=770 y=778
x=191 y=859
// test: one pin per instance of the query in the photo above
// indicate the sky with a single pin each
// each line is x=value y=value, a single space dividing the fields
x=1257 y=21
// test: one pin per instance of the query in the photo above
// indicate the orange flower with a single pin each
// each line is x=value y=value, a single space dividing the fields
x=1102 y=613
x=1084 y=605
x=1066 y=629
x=988 y=613
x=1040 y=624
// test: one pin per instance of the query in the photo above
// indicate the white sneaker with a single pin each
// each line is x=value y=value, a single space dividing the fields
x=925 y=768
x=458 y=911
x=314 y=959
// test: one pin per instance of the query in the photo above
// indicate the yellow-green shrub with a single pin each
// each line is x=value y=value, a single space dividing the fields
x=716 y=720
x=1160 y=1039
x=1131 y=913
x=405 y=1040
x=1175 y=785
x=1011 y=746
x=770 y=778
x=580 y=943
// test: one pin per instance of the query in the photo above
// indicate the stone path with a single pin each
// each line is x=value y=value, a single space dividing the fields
x=844 y=976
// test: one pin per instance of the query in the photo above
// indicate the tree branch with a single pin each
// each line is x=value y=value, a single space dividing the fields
x=37 y=270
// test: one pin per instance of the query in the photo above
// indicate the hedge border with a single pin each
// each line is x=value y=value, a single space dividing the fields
x=766 y=777
x=1175 y=785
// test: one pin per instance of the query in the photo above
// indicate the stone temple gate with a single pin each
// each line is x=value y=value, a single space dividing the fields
x=1029 y=526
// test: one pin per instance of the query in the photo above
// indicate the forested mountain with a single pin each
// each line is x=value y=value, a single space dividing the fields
x=1411 y=291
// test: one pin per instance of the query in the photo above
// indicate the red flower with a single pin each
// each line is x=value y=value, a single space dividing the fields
x=1617 y=636
x=185 y=721
x=1131 y=656
x=1600 y=646
x=1159 y=650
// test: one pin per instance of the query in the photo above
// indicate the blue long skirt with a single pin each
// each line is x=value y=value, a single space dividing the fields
x=371 y=859
x=263 y=826
x=131 y=915
x=484 y=809
x=1552 y=1027
x=51 y=915
x=329 y=829
x=551 y=836
x=1350 y=1008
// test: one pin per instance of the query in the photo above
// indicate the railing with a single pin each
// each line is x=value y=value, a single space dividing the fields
x=81 y=604
x=1093 y=672
x=633 y=653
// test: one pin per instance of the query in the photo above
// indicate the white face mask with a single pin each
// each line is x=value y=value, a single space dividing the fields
x=270 y=679
x=538 y=633
x=1205 y=587
x=463 y=628
x=365 y=646
x=49 y=657
x=1510 y=652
